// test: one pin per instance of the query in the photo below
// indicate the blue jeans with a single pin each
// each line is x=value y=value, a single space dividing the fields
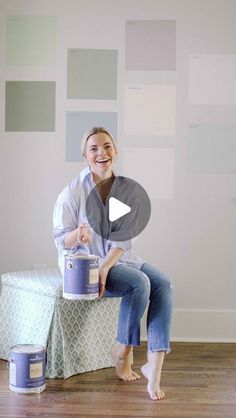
x=138 y=288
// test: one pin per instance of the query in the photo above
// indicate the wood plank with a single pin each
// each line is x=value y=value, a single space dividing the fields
x=199 y=381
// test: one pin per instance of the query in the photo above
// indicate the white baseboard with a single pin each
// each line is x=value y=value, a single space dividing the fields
x=198 y=325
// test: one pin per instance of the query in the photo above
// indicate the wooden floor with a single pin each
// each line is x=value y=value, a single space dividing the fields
x=199 y=381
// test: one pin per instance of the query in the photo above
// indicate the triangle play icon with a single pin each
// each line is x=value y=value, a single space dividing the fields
x=117 y=209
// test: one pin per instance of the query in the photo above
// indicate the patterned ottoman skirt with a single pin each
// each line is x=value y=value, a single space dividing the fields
x=78 y=335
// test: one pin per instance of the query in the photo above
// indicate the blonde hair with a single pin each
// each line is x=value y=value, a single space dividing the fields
x=93 y=131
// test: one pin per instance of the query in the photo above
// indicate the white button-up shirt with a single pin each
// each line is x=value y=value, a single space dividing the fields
x=70 y=212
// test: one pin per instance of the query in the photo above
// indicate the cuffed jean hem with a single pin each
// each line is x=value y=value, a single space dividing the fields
x=166 y=350
x=127 y=343
x=126 y=338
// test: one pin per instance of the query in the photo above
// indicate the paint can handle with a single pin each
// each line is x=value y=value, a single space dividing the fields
x=8 y=363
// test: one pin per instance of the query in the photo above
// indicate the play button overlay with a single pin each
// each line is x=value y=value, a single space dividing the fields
x=118 y=209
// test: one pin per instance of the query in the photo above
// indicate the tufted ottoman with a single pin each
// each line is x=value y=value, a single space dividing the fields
x=78 y=335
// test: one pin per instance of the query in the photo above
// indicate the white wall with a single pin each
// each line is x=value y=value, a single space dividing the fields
x=192 y=237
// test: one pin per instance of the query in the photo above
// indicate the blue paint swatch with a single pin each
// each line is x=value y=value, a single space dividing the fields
x=79 y=122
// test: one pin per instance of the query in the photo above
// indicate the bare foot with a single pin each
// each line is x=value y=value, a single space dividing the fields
x=123 y=357
x=152 y=372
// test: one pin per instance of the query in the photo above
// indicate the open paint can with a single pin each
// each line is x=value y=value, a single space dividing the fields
x=81 y=277
x=27 y=368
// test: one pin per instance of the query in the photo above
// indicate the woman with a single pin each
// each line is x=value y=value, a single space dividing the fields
x=121 y=272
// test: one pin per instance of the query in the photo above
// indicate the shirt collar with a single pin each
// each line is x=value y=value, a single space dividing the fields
x=85 y=172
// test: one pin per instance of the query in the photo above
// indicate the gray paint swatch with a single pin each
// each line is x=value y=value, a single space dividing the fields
x=79 y=122
x=212 y=149
x=30 y=106
x=92 y=74
x=150 y=45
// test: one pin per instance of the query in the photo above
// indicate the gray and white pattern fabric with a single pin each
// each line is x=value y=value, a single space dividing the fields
x=78 y=335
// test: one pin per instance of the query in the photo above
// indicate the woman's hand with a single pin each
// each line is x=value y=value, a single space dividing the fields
x=84 y=235
x=109 y=261
x=103 y=272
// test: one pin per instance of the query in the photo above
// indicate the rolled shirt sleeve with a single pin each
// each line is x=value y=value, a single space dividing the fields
x=123 y=245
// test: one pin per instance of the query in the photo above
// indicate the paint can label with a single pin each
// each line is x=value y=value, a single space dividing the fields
x=27 y=368
x=81 y=277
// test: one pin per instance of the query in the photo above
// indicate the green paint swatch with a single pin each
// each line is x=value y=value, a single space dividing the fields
x=31 y=40
x=30 y=106
x=92 y=74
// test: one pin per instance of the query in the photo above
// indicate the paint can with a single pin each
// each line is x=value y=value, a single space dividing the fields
x=27 y=368
x=81 y=277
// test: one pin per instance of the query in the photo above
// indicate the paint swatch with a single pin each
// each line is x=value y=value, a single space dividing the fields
x=150 y=45
x=31 y=40
x=150 y=110
x=30 y=106
x=153 y=168
x=212 y=149
x=79 y=122
x=92 y=74
x=212 y=79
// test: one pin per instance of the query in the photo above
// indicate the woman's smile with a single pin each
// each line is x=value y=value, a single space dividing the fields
x=103 y=161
